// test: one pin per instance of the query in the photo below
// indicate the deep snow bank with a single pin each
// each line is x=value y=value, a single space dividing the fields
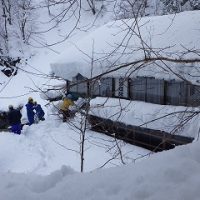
x=168 y=175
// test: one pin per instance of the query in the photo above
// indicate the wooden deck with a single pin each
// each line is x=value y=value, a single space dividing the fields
x=154 y=140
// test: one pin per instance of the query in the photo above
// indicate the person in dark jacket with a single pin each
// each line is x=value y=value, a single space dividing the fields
x=14 y=119
x=30 y=111
x=39 y=112
x=4 y=120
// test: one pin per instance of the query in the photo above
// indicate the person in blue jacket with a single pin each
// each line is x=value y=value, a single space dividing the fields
x=39 y=111
x=30 y=111
x=14 y=119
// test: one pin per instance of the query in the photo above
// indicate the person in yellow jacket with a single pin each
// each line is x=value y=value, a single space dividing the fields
x=64 y=108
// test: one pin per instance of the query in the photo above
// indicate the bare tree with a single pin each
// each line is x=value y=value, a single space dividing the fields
x=26 y=19
x=4 y=25
x=18 y=20
x=91 y=4
x=130 y=8
x=151 y=56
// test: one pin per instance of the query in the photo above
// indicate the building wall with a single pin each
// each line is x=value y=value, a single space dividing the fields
x=106 y=87
x=146 y=89
x=138 y=89
x=193 y=97
x=176 y=92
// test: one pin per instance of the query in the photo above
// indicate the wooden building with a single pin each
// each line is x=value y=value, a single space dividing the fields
x=147 y=89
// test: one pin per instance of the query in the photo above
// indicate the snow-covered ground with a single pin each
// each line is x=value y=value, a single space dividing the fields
x=33 y=74
x=43 y=162
x=43 y=148
x=173 y=174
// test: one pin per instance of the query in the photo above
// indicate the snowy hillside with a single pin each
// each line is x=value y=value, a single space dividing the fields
x=34 y=69
x=43 y=163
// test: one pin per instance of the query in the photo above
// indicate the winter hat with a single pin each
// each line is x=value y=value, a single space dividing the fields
x=30 y=99
x=10 y=107
x=69 y=96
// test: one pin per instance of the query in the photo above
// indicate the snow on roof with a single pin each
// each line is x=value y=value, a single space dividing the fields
x=106 y=47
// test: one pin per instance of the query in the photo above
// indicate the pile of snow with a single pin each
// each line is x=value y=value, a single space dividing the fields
x=159 y=117
x=118 y=42
x=168 y=175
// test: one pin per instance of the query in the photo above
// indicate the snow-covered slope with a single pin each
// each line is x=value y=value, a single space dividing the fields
x=168 y=175
x=33 y=72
